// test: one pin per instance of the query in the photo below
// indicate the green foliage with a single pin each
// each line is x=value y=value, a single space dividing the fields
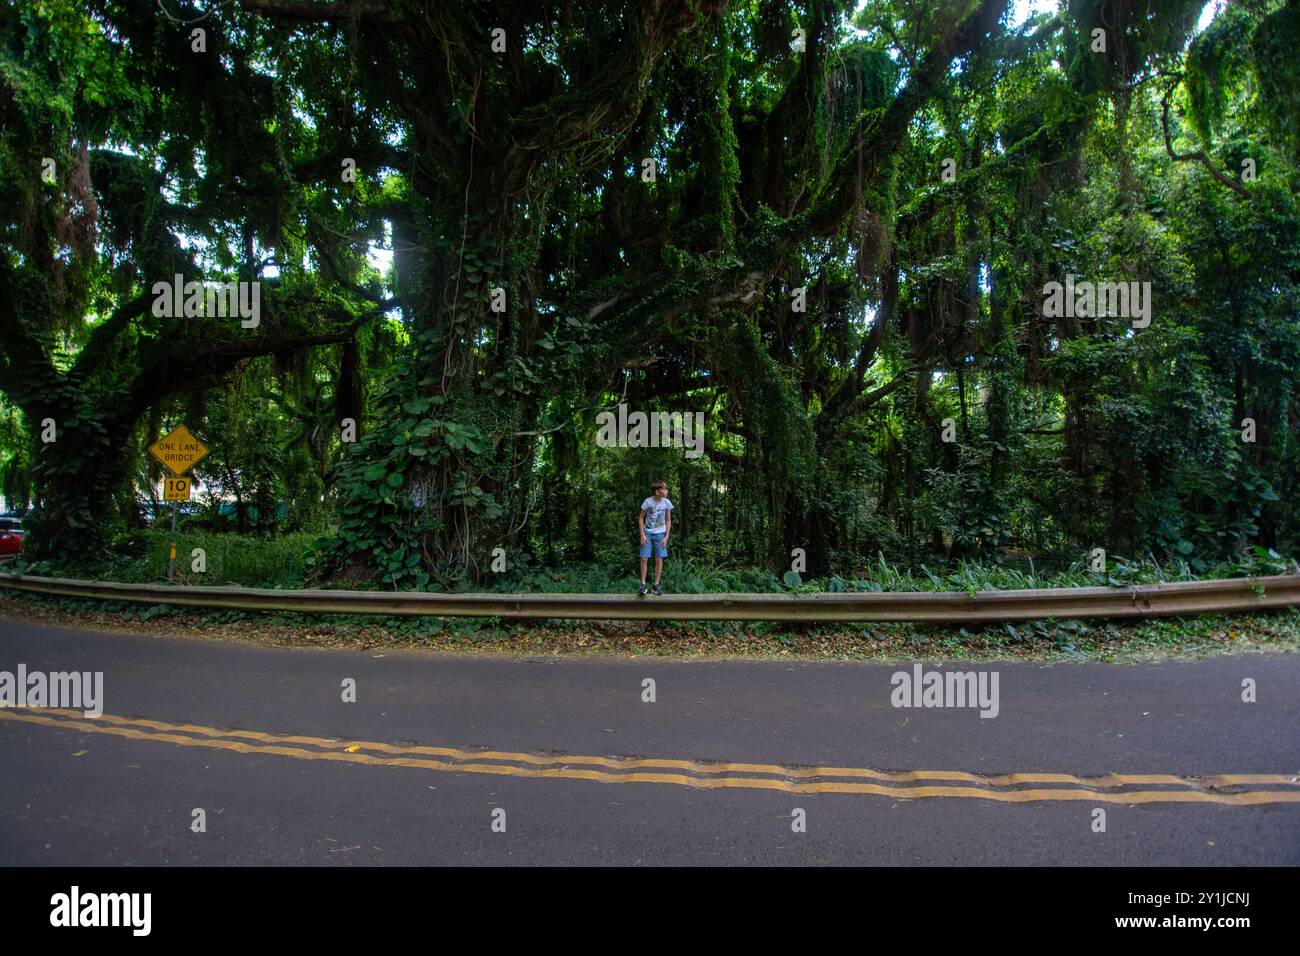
x=1273 y=45
x=779 y=174
x=1214 y=62
x=277 y=561
x=427 y=457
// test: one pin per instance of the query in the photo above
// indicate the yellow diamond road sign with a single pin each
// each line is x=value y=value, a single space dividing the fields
x=178 y=450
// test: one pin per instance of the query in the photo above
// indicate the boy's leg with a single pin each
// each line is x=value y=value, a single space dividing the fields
x=643 y=569
x=659 y=570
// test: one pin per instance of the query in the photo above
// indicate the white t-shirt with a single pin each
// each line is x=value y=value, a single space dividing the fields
x=656 y=514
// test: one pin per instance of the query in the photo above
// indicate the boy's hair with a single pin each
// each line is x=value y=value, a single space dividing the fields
x=654 y=485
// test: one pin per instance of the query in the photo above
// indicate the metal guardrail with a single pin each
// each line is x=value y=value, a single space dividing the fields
x=946 y=607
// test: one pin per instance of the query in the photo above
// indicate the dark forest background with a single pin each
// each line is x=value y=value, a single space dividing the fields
x=922 y=169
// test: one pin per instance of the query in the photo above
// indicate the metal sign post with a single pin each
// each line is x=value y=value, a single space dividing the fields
x=171 y=563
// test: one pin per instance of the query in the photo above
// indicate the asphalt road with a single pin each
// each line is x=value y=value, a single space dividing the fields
x=437 y=748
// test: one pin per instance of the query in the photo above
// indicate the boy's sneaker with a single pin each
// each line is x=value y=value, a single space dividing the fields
x=658 y=590
x=640 y=592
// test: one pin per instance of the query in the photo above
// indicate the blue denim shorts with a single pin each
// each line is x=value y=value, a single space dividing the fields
x=654 y=542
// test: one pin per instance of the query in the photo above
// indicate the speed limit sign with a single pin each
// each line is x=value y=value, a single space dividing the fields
x=176 y=489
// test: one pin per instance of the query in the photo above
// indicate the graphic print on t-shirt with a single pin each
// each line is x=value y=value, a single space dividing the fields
x=656 y=514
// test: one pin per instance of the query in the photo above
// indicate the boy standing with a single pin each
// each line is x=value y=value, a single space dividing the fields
x=656 y=523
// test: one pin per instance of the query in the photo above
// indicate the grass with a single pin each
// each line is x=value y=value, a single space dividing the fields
x=689 y=576
x=248 y=560
x=280 y=561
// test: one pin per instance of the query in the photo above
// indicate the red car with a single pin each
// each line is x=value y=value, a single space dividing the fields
x=11 y=534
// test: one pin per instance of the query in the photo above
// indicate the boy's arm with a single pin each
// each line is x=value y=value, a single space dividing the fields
x=668 y=526
x=640 y=523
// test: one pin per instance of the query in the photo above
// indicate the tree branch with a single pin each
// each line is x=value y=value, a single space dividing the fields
x=103 y=336
x=923 y=207
x=884 y=130
x=867 y=399
x=1199 y=156
x=325 y=167
x=604 y=104
x=308 y=11
x=179 y=370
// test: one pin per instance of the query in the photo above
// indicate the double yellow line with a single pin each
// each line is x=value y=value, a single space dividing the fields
x=1227 y=789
